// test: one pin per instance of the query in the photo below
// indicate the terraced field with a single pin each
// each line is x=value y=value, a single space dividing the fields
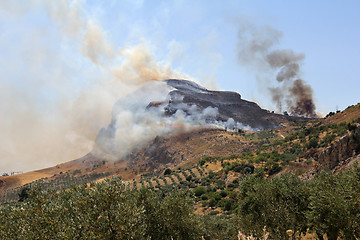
x=63 y=181
x=180 y=178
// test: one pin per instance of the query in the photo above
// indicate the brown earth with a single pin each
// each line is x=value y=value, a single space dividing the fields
x=162 y=152
x=184 y=150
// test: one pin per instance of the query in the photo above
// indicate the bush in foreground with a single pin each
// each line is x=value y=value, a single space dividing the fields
x=328 y=204
x=101 y=211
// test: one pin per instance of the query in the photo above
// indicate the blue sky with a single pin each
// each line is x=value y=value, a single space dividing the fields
x=199 y=38
x=57 y=92
x=205 y=33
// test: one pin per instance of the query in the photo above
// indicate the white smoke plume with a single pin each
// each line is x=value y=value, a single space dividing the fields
x=58 y=103
x=62 y=100
x=144 y=114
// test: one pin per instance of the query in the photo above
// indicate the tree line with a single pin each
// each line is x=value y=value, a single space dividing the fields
x=329 y=204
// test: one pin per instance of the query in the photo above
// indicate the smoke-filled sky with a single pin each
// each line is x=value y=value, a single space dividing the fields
x=63 y=64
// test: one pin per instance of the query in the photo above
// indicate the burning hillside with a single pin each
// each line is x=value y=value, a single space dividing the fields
x=161 y=108
x=99 y=71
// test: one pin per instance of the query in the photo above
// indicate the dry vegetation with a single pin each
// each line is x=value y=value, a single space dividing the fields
x=226 y=171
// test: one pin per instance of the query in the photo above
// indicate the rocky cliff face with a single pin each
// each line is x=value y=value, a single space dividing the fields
x=337 y=157
x=162 y=108
x=346 y=147
x=229 y=105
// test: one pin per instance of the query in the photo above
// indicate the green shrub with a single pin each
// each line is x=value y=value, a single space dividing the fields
x=313 y=143
x=198 y=191
x=104 y=210
x=275 y=169
x=189 y=177
x=167 y=171
x=204 y=197
x=223 y=193
x=279 y=204
x=220 y=227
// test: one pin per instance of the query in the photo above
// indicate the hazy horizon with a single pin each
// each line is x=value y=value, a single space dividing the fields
x=66 y=63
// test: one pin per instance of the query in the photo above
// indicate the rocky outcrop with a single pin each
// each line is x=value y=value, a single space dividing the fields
x=229 y=105
x=336 y=157
x=346 y=147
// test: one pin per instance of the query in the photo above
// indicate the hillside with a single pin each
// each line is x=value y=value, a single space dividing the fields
x=299 y=147
x=202 y=114
x=225 y=179
x=229 y=126
x=229 y=105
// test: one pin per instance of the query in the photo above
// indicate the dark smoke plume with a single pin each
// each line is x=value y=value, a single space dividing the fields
x=303 y=104
x=256 y=51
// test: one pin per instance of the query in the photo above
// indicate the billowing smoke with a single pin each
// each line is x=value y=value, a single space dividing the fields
x=71 y=76
x=256 y=50
x=60 y=82
x=150 y=111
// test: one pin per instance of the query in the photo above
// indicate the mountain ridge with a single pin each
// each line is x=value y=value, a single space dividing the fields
x=186 y=147
x=229 y=104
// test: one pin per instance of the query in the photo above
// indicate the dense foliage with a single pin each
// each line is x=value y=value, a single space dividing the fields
x=101 y=211
x=328 y=205
x=108 y=210
x=197 y=203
